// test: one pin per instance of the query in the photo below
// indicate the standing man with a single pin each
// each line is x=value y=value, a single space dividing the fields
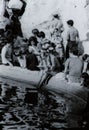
x=72 y=38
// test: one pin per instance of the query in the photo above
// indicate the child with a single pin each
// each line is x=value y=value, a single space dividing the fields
x=73 y=67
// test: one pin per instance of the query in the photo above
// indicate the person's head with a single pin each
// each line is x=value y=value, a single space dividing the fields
x=85 y=56
x=41 y=34
x=32 y=41
x=56 y=16
x=70 y=22
x=35 y=31
x=85 y=75
x=52 y=44
x=74 y=51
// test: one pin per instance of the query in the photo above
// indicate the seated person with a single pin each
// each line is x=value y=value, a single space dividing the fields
x=85 y=79
x=31 y=61
x=32 y=47
x=6 y=52
x=86 y=63
x=32 y=56
x=20 y=48
x=74 y=67
x=50 y=64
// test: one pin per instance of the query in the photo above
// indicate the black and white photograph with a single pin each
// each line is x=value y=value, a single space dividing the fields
x=44 y=64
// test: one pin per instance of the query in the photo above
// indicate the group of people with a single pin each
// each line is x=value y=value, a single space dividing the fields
x=39 y=53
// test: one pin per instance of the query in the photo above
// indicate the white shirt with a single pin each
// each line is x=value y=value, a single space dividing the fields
x=3 y=54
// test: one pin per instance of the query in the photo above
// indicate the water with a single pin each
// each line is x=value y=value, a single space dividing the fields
x=22 y=107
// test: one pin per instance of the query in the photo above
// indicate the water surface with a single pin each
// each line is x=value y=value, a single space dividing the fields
x=23 y=107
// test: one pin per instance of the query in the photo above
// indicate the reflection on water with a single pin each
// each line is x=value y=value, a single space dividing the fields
x=22 y=107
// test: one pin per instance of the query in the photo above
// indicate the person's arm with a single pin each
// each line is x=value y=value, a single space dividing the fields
x=77 y=37
x=23 y=7
x=85 y=67
x=68 y=36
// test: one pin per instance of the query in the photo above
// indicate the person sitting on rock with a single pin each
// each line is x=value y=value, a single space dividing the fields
x=50 y=64
x=6 y=52
x=20 y=48
x=85 y=79
x=86 y=63
x=74 y=67
x=33 y=55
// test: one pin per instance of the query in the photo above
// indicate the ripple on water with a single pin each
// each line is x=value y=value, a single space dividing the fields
x=23 y=107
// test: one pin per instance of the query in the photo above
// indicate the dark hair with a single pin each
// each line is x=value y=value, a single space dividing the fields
x=41 y=34
x=52 y=44
x=34 y=39
x=85 y=75
x=70 y=22
x=85 y=56
x=74 y=50
x=35 y=31
x=56 y=16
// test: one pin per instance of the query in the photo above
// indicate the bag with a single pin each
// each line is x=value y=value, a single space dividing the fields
x=15 y=4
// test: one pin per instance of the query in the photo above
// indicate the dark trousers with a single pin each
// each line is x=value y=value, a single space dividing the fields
x=69 y=47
